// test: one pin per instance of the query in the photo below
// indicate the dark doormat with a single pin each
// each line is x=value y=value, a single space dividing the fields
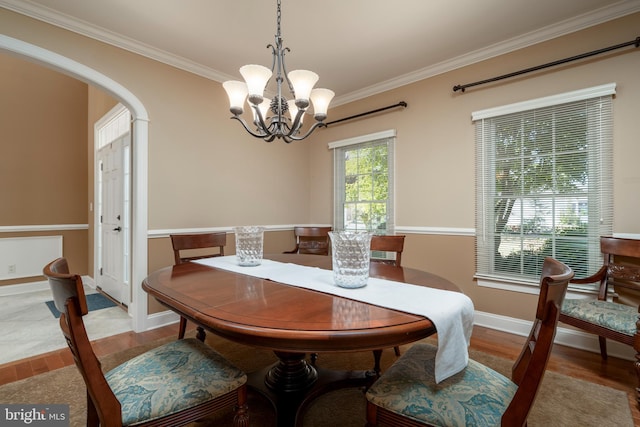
x=94 y=302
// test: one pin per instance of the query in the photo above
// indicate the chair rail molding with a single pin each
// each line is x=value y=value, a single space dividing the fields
x=446 y=231
x=162 y=233
x=41 y=228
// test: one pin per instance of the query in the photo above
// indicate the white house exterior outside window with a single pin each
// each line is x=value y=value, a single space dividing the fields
x=363 y=183
x=544 y=185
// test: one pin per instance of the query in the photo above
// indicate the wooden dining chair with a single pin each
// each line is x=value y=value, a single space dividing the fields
x=189 y=247
x=394 y=244
x=606 y=316
x=391 y=244
x=407 y=394
x=311 y=240
x=171 y=385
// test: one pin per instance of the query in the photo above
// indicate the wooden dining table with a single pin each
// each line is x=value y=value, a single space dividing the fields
x=293 y=322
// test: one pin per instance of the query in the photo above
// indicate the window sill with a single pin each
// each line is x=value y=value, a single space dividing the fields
x=526 y=287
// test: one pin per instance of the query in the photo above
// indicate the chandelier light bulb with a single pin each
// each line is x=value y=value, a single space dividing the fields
x=302 y=82
x=237 y=93
x=321 y=98
x=256 y=77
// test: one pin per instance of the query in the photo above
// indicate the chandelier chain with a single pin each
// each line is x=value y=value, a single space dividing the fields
x=278 y=19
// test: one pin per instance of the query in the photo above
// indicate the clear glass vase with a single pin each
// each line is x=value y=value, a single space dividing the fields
x=351 y=252
x=249 y=242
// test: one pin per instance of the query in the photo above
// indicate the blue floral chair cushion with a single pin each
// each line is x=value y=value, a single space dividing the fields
x=477 y=396
x=170 y=378
x=617 y=317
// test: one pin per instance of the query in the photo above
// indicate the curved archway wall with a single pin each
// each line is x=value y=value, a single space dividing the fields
x=232 y=178
x=140 y=119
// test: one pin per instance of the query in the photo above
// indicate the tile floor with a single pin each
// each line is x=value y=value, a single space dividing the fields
x=28 y=327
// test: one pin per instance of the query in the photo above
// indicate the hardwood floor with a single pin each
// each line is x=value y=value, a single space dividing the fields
x=35 y=365
x=615 y=373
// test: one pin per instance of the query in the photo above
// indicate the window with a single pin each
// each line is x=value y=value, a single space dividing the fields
x=115 y=124
x=363 y=176
x=544 y=184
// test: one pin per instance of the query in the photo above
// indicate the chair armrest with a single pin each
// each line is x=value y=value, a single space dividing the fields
x=599 y=277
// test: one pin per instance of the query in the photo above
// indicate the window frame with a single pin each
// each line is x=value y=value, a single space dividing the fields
x=339 y=148
x=485 y=163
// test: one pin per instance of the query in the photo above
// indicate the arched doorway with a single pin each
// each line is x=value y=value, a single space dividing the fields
x=140 y=120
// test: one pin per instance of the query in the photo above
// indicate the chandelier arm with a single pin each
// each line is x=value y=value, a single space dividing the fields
x=300 y=138
x=246 y=127
x=274 y=56
x=269 y=138
x=279 y=129
x=296 y=123
x=286 y=73
x=261 y=123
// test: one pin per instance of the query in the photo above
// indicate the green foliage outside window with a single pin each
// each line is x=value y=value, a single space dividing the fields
x=541 y=181
x=366 y=187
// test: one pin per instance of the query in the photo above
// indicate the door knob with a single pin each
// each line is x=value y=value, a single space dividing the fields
x=117 y=229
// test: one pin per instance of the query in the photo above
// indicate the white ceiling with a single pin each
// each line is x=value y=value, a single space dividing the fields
x=358 y=47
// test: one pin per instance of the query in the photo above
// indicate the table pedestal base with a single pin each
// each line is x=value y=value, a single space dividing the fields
x=292 y=384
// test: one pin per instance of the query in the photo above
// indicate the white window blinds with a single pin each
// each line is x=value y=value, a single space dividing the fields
x=544 y=184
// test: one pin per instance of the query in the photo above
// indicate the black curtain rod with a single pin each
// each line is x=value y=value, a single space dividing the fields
x=399 y=104
x=635 y=42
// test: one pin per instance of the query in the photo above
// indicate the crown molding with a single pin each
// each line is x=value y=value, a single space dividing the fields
x=50 y=16
x=550 y=32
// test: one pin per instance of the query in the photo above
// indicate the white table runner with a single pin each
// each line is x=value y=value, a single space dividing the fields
x=450 y=312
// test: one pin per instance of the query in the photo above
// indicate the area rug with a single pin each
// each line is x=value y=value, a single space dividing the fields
x=94 y=302
x=562 y=401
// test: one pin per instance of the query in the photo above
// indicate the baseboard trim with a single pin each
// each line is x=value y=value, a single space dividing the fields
x=164 y=318
x=43 y=285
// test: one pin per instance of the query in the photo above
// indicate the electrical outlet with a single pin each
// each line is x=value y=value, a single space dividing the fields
x=12 y=269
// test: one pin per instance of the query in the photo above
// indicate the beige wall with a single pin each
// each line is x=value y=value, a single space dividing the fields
x=43 y=161
x=274 y=242
x=205 y=171
x=435 y=147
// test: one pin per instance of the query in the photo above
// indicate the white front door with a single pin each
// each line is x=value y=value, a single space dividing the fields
x=113 y=217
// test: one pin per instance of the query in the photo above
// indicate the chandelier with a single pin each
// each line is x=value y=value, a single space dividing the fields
x=269 y=115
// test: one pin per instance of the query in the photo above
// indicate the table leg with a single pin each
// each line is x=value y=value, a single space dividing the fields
x=291 y=374
x=291 y=384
